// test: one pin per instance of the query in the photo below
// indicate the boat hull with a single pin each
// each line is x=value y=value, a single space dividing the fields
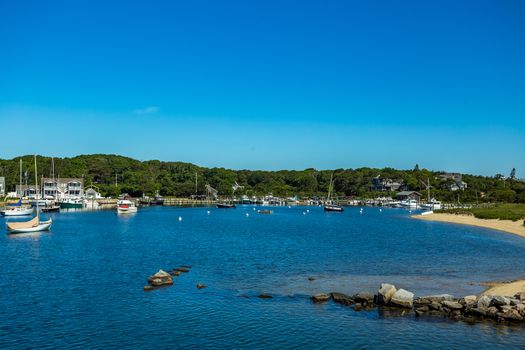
x=16 y=212
x=130 y=210
x=333 y=208
x=225 y=206
x=53 y=209
x=66 y=205
x=42 y=226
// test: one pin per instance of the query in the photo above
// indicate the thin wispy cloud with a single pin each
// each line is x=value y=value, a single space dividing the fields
x=147 y=110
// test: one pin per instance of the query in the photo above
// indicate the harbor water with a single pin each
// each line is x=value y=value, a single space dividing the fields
x=81 y=284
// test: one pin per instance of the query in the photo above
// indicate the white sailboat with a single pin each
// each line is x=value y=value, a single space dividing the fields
x=33 y=225
x=329 y=205
x=17 y=209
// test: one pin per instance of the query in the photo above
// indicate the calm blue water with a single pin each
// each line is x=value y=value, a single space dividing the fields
x=80 y=285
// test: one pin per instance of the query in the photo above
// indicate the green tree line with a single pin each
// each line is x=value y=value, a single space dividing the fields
x=178 y=179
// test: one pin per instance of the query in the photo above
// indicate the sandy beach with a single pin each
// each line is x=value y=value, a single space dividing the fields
x=515 y=227
x=507 y=289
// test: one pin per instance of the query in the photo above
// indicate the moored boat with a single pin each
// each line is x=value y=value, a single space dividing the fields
x=225 y=205
x=51 y=209
x=125 y=206
x=72 y=203
x=16 y=211
x=332 y=207
x=329 y=205
x=33 y=225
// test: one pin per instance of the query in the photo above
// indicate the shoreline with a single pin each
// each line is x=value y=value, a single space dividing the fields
x=508 y=226
x=507 y=289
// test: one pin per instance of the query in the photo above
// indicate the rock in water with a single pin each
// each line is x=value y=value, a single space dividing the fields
x=363 y=298
x=182 y=269
x=310 y=278
x=320 y=298
x=402 y=298
x=265 y=296
x=499 y=301
x=341 y=298
x=439 y=297
x=161 y=278
x=452 y=305
x=484 y=302
x=147 y=288
x=385 y=293
x=201 y=286
x=470 y=299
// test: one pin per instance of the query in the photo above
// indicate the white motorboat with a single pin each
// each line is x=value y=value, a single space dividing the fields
x=16 y=211
x=126 y=206
x=409 y=203
x=431 y=205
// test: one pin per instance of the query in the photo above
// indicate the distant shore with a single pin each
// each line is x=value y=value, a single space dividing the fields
x=514 y=227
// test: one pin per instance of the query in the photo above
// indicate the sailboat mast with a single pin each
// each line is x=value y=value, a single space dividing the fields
x=36 y=187
x=21 y=180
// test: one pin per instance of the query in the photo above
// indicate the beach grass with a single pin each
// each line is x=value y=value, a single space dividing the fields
x=501 y=211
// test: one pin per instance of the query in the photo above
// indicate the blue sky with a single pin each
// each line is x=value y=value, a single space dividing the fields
x=268 y=84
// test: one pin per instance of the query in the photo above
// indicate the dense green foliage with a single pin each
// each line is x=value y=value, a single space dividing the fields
x=502 y=211
x=178 y=179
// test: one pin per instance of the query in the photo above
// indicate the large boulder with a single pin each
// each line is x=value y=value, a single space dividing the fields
x=484 y=302
x=341 y=298
x=511 y=315
x=385 y=293
x=320 y=298
x=161 y=278
x=470 y=299
x=438 y=297
x=498 y=300
x=402 y=298
x=363 y=298
x=452 y=305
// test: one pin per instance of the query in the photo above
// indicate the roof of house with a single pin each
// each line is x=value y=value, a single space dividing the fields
x=408 y=193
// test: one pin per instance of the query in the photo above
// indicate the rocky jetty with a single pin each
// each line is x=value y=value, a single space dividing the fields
x=468 y=308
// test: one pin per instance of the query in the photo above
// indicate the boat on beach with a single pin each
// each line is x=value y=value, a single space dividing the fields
x=125 y=206
x=33 y=225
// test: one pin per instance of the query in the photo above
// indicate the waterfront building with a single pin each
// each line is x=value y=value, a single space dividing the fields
x=408 y=195
x=92 y=193
x=65 y=188
x=28 y=191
